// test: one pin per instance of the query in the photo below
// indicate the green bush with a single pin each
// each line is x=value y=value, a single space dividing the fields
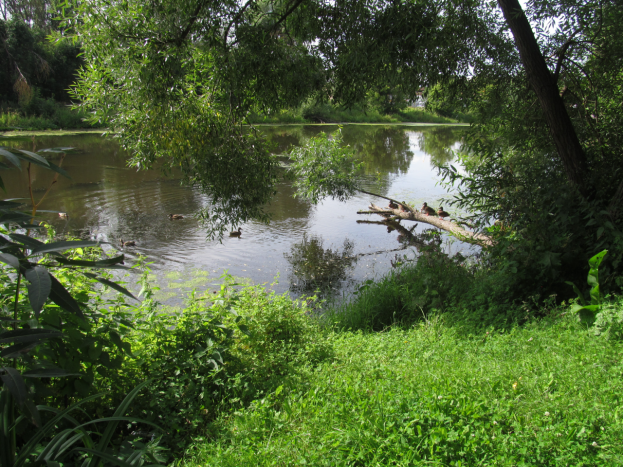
x=434 y=283
x=279 y=336
x=609 y=320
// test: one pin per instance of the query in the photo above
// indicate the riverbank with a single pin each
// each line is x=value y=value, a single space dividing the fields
x=331 y=115
x=86 y=131
x=67 y=121
x=547 y=393
x=423 y=369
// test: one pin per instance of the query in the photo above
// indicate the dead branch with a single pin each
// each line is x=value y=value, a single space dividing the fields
x=448 y=226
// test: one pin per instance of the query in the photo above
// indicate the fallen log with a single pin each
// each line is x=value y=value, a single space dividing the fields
x=407 y=213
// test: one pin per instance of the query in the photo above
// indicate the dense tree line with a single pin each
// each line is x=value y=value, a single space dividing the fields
x=32 y=66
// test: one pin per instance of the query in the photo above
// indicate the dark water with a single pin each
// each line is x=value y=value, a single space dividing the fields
x=304 y=245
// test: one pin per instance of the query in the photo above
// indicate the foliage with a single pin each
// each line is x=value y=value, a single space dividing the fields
x=35 y=67
x=51 y=340
x=586 y=311
x=278 y=340
x=182 y=95
x=53 y=117
x=440 y=395
x=324 y=167
x=326 y=113
x=547 y=231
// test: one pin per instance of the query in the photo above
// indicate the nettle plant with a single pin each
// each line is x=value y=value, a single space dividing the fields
x=27 y=343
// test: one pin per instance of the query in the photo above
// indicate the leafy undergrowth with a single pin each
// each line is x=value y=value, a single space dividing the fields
x=547 y=393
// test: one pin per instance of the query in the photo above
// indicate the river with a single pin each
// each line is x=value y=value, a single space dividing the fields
x=303 y=247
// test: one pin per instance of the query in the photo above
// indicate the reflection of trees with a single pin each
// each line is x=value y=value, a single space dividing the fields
x=382 y=149
x=315 y=267
x=437 y=143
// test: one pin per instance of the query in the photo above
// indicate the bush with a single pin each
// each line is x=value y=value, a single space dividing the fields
x=219 y=352
x=609 y=320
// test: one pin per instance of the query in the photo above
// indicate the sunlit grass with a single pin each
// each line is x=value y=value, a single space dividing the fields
x=548 y=393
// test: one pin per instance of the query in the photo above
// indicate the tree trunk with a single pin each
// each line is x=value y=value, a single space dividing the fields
x=542 y=81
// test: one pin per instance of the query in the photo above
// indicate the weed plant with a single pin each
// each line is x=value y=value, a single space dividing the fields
x=435 y=283
x=547 y=393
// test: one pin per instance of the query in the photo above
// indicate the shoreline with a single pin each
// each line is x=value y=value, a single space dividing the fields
x=28 y=133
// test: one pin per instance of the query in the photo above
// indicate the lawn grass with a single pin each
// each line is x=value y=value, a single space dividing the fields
x=547 y=393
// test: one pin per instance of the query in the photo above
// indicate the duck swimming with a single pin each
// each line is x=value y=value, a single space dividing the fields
x=236 y=233
x=175 y=216
x=128 y=243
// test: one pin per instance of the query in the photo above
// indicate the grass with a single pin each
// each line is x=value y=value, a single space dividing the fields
x=430 y=366
x=547 y=393
x=53 y=117
x=329 y=114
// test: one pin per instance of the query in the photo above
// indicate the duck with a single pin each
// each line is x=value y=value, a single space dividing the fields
x=442 y=213
x=63 y=215
x=128 y=243
x=236 y=233
x=175 y=216
x=426 y=209
x=392 y=205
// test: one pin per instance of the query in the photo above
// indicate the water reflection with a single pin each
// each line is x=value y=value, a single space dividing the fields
x=315 y=267
x=439 y=143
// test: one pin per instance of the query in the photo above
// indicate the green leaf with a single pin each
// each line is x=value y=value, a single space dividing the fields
x=111 y=263
x=6 y=437
x=10 y=260
x=112 y=425
x=596 y=260
x=63 y=245
x=26 y=240
x=48 y=373
x=14 y=217
x=59 y=170
x=39 y=287
x=28 y=335
x=578 y=293
x=60 y=296
x=14 y=382
x=34 y=157
x=27 y=450
x=18 y=350
x=12 y=158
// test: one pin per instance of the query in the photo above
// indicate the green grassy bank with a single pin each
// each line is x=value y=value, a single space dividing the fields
x=329 y=114
x=548 y=393
x=427 y=366
x=422 y=368
x=41 y=114
x=54 y=116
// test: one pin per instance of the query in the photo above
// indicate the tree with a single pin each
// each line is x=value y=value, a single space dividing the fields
x=175 y=80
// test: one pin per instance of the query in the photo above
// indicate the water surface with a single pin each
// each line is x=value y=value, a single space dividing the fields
x=304 y=245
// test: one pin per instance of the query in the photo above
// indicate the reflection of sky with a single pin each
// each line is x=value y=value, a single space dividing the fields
x=419 y=184
x=108 y=201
